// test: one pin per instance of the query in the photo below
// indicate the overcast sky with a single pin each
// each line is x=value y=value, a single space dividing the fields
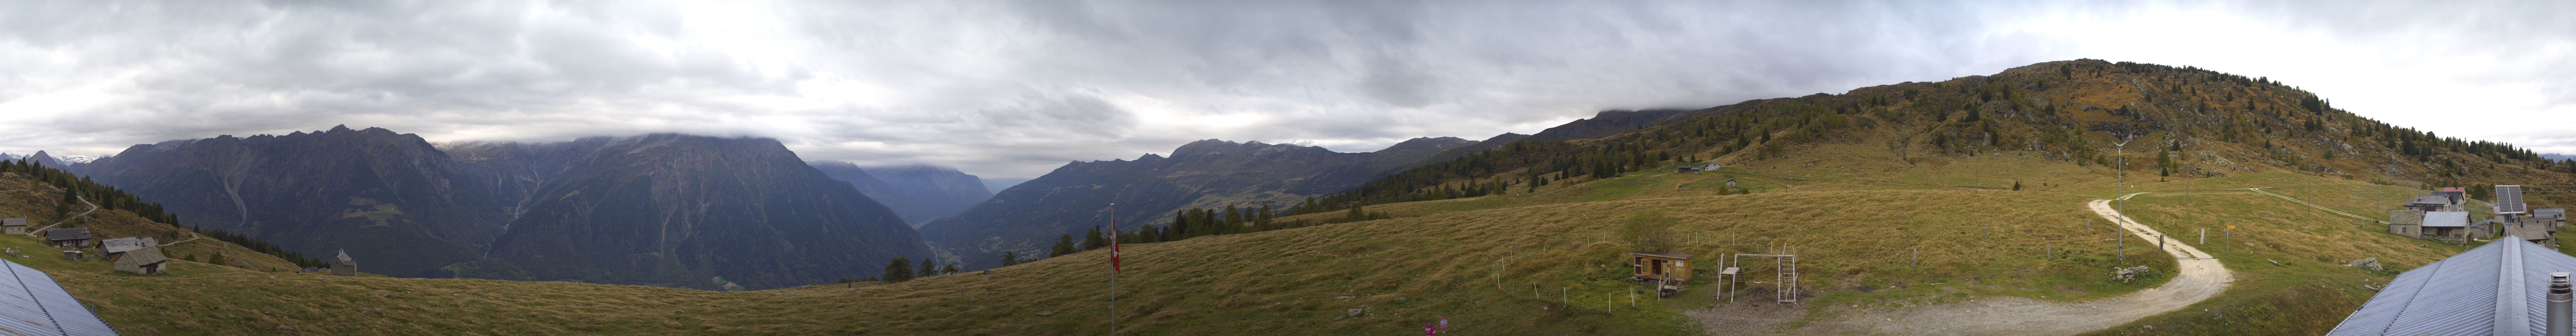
x=1015 y=89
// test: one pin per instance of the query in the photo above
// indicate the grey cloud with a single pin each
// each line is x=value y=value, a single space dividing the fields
x=1015 y=88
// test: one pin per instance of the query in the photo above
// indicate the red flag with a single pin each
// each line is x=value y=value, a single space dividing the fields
x=1113 y=238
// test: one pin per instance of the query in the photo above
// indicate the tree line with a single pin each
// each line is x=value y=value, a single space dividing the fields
x=110 y=199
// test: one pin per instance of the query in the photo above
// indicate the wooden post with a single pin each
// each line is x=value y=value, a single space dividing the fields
x=1918 y=257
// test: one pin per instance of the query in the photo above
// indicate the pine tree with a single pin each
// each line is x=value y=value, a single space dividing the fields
x=1093 y=241
x=951 y=269
x=1010 y=258
x=1063 y=246
x=899 y=270
x=929 y=267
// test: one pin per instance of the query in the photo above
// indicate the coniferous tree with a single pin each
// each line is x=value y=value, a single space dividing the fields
x=64 y=207
x=929 y=267
x=951 y=269
x=1093 y=241
x=1010 y=258
x=899 y=270
x=1063 y=246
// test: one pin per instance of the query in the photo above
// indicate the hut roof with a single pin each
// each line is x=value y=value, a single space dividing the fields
x=343 y=259
x=2495 y=289
x=142 y=256
x=2551 y=213
x=114 y=245
x=2446 y=219
x=1661 y=254
x=35 y=305
x=13 y=222
x=2406 y=217
x=67 y=234
x=2430 y=200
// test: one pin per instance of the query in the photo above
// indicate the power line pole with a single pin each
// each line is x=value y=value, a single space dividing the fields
x=2121 y=174
x=1113 y=271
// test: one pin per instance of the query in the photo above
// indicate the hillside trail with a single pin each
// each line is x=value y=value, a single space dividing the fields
x=2201 y=277
x=191 y=237
x=93 y=207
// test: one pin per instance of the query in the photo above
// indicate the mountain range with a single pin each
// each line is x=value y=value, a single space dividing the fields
x=1075 y=198
x=919 y=193
x=657 y=209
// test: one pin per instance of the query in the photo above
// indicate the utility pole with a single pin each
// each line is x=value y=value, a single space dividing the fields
x=1113 y=270
x=2121 y=174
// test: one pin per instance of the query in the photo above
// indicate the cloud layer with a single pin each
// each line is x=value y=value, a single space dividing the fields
x=1013 y=89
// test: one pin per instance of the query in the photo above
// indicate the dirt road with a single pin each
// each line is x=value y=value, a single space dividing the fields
x=2200 y=277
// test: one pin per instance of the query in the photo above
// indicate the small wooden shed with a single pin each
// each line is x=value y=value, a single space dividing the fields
x=1666 y=266
x=15 y=226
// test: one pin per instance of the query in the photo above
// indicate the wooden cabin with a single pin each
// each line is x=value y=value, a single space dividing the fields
x=1674 y=267
x=15 y=226
x=72 y=238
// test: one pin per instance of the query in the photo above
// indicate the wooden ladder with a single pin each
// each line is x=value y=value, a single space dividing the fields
x=1788 y=279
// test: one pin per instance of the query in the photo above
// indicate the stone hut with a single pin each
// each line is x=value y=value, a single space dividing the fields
x=2408 y=223
x=344 y=266
x=146 y=261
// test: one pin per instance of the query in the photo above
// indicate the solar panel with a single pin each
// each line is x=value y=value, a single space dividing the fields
x=32 y=304
x=2509 y=200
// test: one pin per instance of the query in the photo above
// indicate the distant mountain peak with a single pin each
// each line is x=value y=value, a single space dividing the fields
x=1215 y=146
x=1427 y=144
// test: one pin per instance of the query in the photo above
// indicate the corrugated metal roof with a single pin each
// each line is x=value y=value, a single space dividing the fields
x=2494 y=289
x=1661 y=254
x=67 y=234
x=2430 y=200
x=32 y=304
x=2446 y=219
x=2551 y=213
x=114 y=245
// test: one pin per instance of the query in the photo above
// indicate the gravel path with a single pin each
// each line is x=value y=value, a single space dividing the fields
x=39 y=232
x=2200 y=278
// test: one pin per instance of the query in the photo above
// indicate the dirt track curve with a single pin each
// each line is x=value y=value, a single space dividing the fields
x=2201 y=277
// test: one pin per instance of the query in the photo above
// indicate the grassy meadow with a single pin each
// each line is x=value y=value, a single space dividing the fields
x=1547 y=261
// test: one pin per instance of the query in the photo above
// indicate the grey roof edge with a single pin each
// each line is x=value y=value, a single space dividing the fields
x=2512 y=316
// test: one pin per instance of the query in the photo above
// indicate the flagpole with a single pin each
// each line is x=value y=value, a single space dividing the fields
x=1113 y=269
